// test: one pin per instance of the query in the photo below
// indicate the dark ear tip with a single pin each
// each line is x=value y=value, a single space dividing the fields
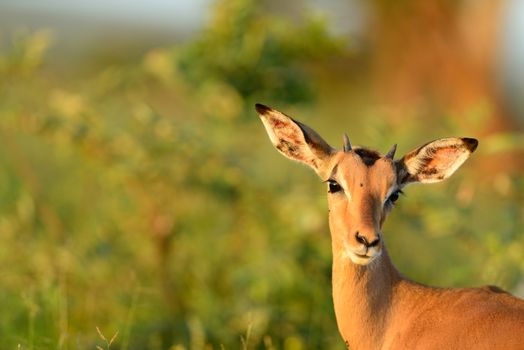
x=470 y=143
x=262 y=109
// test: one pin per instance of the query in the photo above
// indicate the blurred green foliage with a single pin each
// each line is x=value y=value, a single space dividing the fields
x=146 y=199
x=258 y=56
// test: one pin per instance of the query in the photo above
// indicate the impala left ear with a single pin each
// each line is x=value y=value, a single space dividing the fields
x=295 y=140
x=434 y=161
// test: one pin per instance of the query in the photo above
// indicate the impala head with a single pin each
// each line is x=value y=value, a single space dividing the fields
x=362 y=185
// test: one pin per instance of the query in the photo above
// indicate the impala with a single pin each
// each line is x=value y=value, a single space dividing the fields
x=375 y=306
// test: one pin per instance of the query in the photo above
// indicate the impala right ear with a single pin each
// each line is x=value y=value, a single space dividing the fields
x=296 y=140
x=434 y=161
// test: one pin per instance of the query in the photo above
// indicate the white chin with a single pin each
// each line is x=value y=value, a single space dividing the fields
x=359 y=260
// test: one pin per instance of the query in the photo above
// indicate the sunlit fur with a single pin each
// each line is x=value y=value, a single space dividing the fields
x=375 y=306
x=361 y=206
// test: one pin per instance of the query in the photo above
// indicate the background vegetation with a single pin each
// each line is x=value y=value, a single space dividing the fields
x=142 y=199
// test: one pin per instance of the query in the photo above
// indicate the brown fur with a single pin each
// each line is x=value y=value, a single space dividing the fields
x=375 y=306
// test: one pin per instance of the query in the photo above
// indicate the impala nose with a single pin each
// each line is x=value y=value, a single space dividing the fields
x=363 y=240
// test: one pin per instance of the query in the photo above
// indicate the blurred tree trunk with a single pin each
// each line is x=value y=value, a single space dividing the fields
x=441 y=57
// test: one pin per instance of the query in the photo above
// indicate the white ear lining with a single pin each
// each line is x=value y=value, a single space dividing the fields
x=295 y=140
x=449 y=171
x=419 y=165
x=272 y=135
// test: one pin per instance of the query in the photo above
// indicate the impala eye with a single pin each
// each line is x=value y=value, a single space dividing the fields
x=333 y=186
x=394 y=196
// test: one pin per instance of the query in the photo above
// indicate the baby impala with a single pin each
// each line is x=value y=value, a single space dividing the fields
x=375 y=306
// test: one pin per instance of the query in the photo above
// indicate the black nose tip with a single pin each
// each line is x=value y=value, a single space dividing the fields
x=363 y=240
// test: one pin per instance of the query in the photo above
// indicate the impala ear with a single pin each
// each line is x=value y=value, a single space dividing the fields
x=434 y=161
x=296 y=140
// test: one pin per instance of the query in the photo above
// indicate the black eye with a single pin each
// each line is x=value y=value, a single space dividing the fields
x=333 y=186
x=394 y=196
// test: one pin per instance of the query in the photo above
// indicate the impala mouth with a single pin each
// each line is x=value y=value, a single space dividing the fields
x=362 y=259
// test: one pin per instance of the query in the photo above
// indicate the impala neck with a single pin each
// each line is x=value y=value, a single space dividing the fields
x=362 y=296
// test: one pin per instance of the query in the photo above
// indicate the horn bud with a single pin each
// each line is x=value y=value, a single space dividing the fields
x=391 y=153
x=347 y=144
